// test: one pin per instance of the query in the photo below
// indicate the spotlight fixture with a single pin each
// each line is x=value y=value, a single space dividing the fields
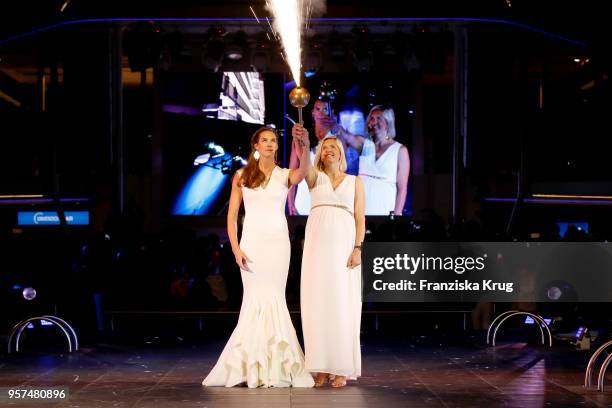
x=237 y=47
x=234 y=54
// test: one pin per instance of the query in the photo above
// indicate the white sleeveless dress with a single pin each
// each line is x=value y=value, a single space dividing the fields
x=263 y=350
x=379 y=178
x=330 y=291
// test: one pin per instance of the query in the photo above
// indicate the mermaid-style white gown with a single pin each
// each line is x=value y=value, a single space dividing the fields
x=263 y=350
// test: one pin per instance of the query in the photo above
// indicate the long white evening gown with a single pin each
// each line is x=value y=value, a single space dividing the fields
x=379 y=178
x=330 y=291
x=263 y=350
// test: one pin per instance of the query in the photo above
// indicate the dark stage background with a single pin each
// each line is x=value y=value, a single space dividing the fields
x=495 y=116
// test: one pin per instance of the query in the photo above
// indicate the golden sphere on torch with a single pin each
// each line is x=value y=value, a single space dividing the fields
x=299 y=97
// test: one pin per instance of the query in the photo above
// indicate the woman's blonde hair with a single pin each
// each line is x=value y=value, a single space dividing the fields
x=318 y=162
x=389 y=117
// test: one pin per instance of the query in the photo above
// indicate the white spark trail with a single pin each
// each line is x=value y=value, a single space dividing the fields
x=255 y=15
x=289 y=21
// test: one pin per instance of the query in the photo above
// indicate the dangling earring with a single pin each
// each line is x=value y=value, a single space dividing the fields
x=256 y=155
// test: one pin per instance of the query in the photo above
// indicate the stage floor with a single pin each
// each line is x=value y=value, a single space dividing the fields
x=419 y=372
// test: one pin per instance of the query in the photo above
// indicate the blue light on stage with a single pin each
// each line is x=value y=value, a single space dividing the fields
x=580 y=226
x=200 y=192
x=353 y=120
x=51 y=218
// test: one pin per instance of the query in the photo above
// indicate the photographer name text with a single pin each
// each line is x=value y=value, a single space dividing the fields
x=456 y=285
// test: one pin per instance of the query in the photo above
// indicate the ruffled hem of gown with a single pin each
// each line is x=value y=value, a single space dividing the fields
x=263 y=351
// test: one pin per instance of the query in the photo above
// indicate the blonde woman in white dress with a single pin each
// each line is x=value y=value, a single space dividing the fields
x=263 y=350
x=384 y=164
x=331 y=271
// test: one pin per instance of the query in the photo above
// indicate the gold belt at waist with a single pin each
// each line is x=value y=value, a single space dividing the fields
x=377 y=178
x=344 y=207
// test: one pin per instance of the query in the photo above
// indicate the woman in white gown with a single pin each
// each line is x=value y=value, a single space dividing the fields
x=263 y=350
x=331 y=272
x=384 y=164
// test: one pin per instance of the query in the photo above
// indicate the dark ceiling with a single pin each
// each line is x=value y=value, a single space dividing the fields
x=579 y=20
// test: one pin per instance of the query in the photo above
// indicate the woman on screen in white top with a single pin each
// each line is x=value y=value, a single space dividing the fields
x=384 y=164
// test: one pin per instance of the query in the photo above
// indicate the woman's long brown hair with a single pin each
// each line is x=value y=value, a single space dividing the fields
x=251 y=176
